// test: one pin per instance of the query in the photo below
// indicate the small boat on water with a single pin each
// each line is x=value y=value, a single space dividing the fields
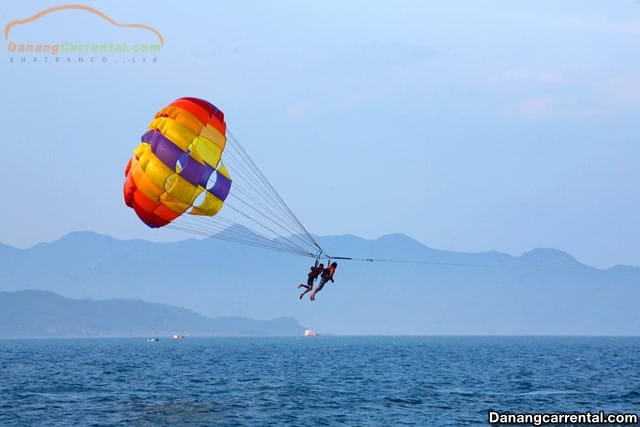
x=153 y=339
x=177 y=337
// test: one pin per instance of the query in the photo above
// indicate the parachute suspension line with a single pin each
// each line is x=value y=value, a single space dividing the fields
x=247 y=191
x=279 y=226
x=235 y=239
x=253 y=214
x=228 y=230
x=264 y=180
x=224 y=231
x=251 y=202
x=259 y=193
x=281 y=237
x=282 y=206
x=262 y=188
x=256 y=202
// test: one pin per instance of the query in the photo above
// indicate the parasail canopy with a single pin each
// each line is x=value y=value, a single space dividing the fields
x=189 y=173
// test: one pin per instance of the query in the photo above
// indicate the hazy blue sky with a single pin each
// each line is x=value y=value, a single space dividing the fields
x=468 y=125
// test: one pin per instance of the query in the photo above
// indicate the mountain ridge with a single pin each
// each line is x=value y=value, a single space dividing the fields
x=544 y=291
x=537 y=254
x=37 y=313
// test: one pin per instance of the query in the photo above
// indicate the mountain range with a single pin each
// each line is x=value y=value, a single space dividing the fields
x=410 y=288
x=28 y=314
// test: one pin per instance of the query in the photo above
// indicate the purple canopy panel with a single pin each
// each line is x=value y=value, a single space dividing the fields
x=222 y=187
x=195 y=172
x=163 y=148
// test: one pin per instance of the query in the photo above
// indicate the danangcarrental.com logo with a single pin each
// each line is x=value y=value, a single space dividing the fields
x=50 y=50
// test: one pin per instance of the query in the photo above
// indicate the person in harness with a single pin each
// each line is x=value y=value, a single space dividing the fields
x=327 y=274
x=313 y=274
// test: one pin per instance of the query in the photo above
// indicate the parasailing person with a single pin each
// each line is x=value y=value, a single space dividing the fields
x=314 y=272
x=327 y=274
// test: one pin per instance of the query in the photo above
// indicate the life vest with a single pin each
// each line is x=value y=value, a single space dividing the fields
x=327 y=273
x=315 y=271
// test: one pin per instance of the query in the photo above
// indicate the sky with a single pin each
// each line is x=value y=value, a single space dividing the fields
x=469 y=126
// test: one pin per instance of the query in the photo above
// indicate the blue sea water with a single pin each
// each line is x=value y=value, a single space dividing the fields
x=312 y=381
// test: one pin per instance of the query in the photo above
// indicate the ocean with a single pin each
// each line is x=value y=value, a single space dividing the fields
x=313 y=381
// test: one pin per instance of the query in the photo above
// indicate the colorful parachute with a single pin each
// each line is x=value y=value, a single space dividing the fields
x=176 y=179
x=177 y=167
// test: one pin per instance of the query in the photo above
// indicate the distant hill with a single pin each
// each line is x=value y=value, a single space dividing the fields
x=543 y=291
x=45 y=314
